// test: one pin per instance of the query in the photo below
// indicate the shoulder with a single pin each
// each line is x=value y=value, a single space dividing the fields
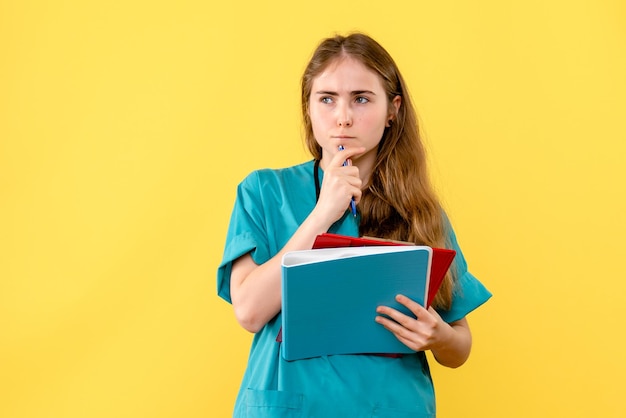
x=286 y=177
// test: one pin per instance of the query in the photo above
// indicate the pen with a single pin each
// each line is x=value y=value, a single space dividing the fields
x=352 y=202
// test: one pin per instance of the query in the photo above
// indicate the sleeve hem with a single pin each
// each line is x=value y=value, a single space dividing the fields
x=239 y=246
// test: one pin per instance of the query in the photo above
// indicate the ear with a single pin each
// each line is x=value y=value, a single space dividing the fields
x=393 y=109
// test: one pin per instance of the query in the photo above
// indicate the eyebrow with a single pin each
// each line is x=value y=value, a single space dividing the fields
x=352 y=93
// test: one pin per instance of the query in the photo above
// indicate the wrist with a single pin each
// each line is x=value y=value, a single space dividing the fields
x=317 y=222
x=453 y=349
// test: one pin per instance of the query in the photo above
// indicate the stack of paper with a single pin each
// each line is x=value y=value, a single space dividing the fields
x=330 y=295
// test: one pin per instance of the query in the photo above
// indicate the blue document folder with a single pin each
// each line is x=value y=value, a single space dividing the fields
x=330 y=295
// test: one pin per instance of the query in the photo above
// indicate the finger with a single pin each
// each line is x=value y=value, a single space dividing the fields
x=390 y=324
x=398 y=317
x=346 y=154
x=405 y=336
x=417 y=309
x=434 y=313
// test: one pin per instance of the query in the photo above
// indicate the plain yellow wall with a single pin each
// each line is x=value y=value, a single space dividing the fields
x=125 y=127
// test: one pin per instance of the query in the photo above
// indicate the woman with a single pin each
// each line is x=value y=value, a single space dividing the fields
x=356 y=109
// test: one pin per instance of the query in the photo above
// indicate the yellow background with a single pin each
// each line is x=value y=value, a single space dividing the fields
x=125 y=127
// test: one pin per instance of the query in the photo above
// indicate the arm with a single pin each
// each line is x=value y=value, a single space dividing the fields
x=449 y=343
x=255 y=289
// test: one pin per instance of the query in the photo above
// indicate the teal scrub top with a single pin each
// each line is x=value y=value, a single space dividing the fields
x=269 y=207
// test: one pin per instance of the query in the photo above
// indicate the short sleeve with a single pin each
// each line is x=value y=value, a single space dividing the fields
x=246 y=232
x=469 y=292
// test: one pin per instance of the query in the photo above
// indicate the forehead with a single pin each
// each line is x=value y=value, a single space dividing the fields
x=349 y=74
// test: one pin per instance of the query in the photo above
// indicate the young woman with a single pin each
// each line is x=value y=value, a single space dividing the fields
x=353 y=97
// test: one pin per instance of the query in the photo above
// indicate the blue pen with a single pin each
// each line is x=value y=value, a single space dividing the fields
x=352 y=202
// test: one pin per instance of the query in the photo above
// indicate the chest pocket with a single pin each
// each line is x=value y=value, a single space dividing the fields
x=274 y=404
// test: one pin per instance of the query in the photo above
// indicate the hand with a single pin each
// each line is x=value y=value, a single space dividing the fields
x=425 y=332
x=340 y=185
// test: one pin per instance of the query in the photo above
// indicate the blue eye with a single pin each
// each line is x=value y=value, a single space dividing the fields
x=326 y=100
x=362 y=100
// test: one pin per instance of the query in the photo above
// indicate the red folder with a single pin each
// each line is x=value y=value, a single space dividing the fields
x=442 y=258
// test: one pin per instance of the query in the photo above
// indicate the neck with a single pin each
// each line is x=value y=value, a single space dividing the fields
x=366 y=165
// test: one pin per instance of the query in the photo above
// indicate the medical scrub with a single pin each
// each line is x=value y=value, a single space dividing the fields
x=270 y=206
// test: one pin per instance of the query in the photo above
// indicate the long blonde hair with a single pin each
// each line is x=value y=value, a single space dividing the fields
x=399 y=201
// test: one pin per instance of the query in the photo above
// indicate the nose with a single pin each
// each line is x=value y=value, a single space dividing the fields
x=344 y=116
